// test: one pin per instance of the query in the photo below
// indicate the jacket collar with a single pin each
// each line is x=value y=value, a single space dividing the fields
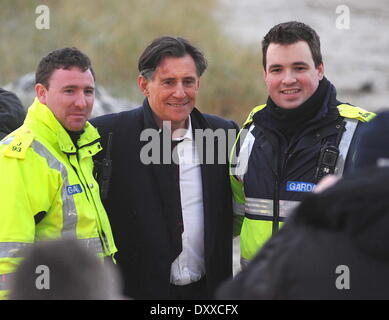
x=327 y=113
x=148 y=117
x=42 y=120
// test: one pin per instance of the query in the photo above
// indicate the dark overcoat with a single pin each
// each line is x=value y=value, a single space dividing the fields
x=138 y=201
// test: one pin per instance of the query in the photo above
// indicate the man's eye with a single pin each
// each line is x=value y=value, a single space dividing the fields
x=89 y=92
x=189 y=82
x=275 y=70
x=69 y=91
x=168 y=82
x=300 y=68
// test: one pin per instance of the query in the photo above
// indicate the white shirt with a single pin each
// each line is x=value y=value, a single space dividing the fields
x=189 y=266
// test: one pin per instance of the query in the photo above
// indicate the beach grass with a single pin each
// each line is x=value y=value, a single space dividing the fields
x=114 y=33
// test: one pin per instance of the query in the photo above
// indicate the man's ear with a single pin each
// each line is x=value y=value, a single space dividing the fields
x=41 y=93
x=143 y=85
x=320 y=68
x=264 y=73
x=198 y=84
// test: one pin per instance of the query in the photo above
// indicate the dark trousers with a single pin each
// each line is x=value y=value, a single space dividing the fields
x=193 y=291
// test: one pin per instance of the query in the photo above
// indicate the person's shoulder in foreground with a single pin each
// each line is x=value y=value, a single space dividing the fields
x=12 y=113
x=327 y=249
x=371 y=144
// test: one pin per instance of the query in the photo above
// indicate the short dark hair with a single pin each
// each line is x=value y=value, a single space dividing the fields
x=292 y=32
x=65 y=58
x=167 y=46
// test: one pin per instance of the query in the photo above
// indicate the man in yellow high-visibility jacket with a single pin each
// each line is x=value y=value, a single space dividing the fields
x=47 y=187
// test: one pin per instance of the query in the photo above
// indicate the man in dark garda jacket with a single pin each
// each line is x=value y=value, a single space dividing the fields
x=334 y=246
x=289 y=144
x=169 y=197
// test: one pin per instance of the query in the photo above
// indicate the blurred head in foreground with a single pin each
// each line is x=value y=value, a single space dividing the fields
x=334 y=246
x=63 y=270
x=373 y=144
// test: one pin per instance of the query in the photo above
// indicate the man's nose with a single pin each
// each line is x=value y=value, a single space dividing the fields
x=81 y=100
x=179 y=91
x=289 y=78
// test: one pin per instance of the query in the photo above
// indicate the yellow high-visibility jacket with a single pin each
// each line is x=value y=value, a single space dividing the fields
x=44 y=175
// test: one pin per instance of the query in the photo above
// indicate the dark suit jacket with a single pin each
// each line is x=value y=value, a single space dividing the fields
x=136 y=206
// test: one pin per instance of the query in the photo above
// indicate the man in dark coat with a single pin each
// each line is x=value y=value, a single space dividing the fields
x=12 y=113
x=172 y=222
x=335 y=246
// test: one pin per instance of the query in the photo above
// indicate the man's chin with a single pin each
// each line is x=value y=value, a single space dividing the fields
x=289 y=104
x=75 y=127
x=179 y=117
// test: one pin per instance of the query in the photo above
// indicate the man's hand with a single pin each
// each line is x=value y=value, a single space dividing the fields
x=326 y=182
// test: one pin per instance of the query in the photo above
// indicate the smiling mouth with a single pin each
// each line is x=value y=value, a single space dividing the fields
x=79 y=115
x=290 y=91
x=178 y=105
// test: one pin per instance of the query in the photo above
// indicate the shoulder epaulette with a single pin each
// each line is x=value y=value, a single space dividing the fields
x=347 y=111
x=249 y=119
x=20 y=144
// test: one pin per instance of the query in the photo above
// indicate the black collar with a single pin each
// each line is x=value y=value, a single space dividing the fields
x=289 y=121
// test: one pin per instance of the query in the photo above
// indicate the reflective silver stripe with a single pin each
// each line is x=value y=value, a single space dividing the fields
x=264 y=207
x=69 y=211
x=5 y=280
x=243 y=263
x=256 y=206
x=106 y=242
x=344 y=145
x=382 y=162
x=244 y=154
x=287 y=207
x=93 y=244
x=7 y=141
x=12 y=249
x=238 y=208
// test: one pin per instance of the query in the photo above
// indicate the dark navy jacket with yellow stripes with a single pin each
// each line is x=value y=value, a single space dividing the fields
x=279 y=173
